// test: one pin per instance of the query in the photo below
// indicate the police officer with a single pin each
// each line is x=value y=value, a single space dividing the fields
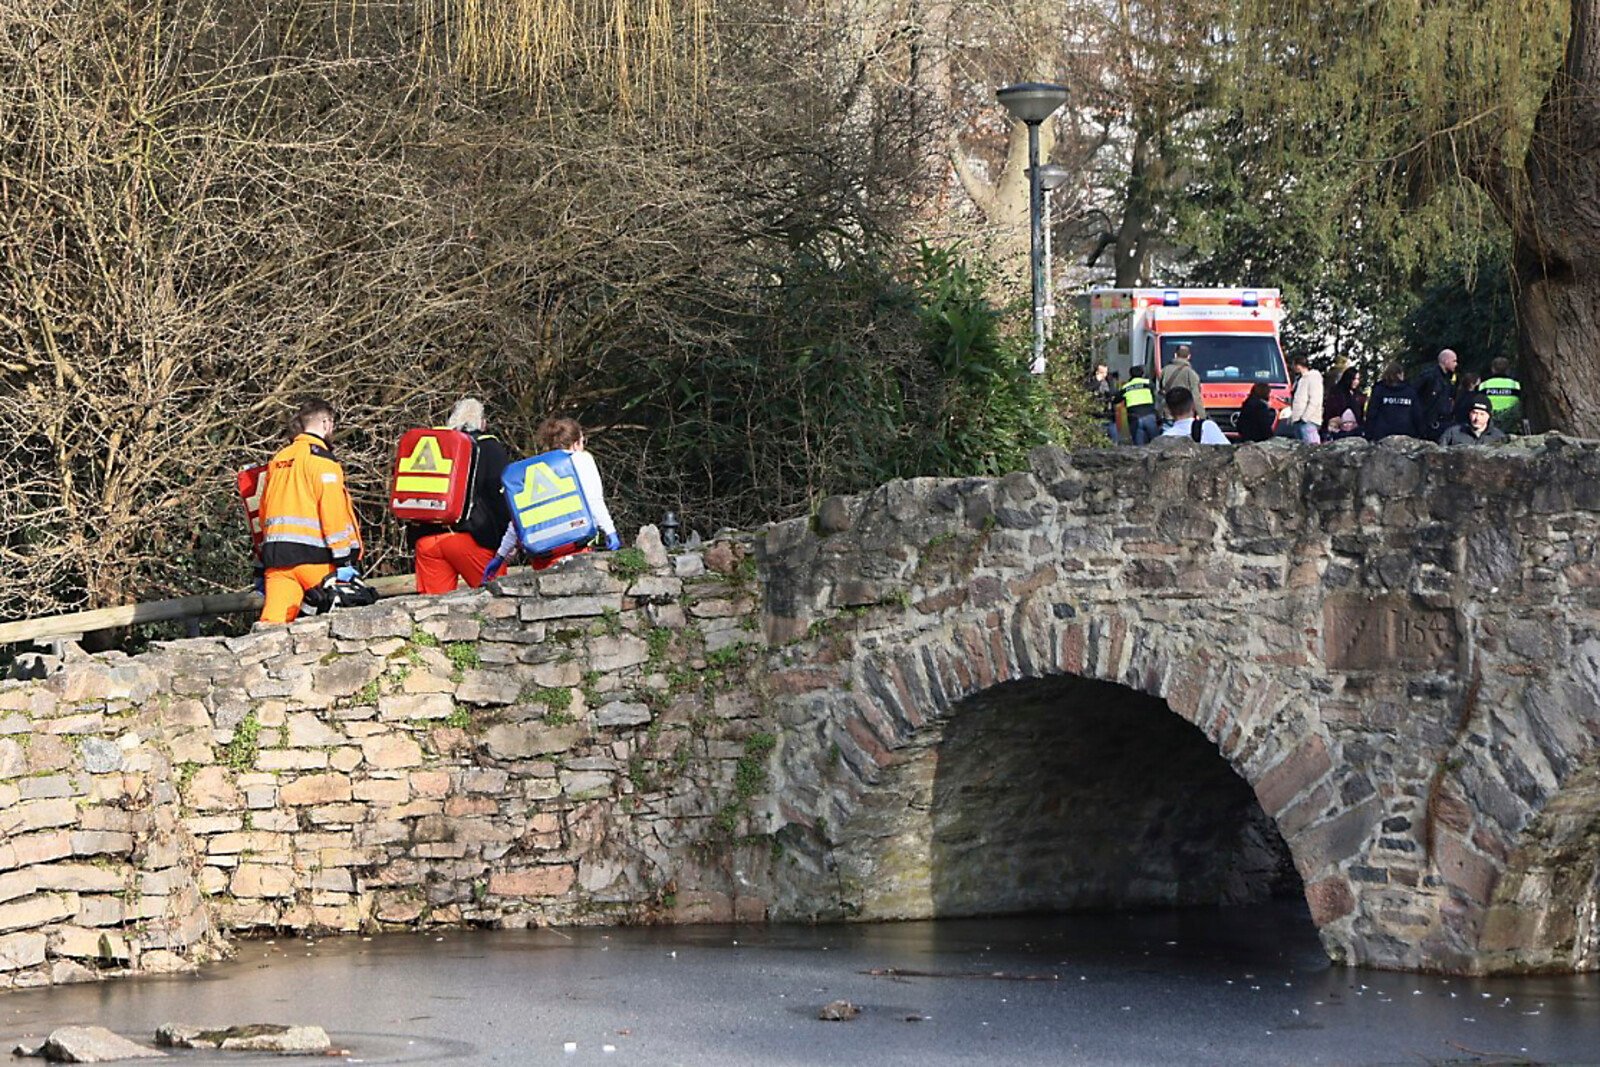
x=1505 y=395
x=1138 y=401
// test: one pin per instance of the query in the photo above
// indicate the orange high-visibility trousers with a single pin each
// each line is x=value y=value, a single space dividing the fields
x=442 y=558
x=286 y=586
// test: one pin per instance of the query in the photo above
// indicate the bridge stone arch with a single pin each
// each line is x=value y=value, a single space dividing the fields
x=1389 y=644
x=904 y=695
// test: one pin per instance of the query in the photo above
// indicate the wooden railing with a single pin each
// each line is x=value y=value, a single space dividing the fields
x=184 y=607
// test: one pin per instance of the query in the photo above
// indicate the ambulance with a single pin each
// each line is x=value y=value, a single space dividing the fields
x=1232 y=336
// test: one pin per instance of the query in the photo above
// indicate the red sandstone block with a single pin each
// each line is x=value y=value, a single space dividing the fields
x=1473 y=875
x=1450 y=810
x=470 y=806
x=868 y=741
x=1032 y=583
x=1072 y=641
x=972 y=641
x=909 y=706
x=533 y=882
x=1293 y=774
x=939 y=603
x=795 y=682
x=1330 y=899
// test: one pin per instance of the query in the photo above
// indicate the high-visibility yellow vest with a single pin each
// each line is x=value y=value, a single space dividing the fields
x=1504 y=393
x=1138 y=394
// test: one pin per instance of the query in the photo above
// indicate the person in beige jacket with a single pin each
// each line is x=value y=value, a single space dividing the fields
x=1180 y=375
x=1305 y=410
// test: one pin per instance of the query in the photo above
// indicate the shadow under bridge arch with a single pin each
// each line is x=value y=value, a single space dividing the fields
x=1058 y=794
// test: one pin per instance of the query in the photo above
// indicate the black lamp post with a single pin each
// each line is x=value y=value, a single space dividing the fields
x=1031 y=103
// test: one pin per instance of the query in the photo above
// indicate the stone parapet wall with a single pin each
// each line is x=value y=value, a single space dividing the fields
x=1395 y=647
x=568 y=749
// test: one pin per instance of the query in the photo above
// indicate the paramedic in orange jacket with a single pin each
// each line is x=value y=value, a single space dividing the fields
x=308 y=524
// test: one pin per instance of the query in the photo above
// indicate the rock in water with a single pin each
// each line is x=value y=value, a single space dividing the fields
x=838 y=1011
x=91 y=1044
x=256 y=1037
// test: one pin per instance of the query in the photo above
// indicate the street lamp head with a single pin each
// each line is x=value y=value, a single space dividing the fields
x=1052 y=176
x=1032 y=102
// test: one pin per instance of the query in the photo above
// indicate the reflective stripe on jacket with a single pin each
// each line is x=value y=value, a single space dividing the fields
x=1138 y=394
x=306 y=515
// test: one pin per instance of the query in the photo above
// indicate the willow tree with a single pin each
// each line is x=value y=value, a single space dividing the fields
x=648 y=54
x=1439 y=111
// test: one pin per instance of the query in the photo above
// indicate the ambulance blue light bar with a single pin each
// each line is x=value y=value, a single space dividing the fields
x=1170 y=298
x=1251 y=299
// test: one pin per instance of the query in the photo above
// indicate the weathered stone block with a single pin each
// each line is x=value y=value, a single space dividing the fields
x=572 y=607
x=622 y=713
x=99 y=755
x=391 y=752
x=306 y=730
x=574 y=580
x=524 y=739
x=21 y=950
x=14 y=884
x=38 y=815
x=83 y=943
x=488 y=687
x=261 y=880
x=291 y=759
x=430 y=783
x=212 y=789
x=533 y=882
x=40 y=910
x=617 y=653
x=380 y=620
x=80 y=878
x=406 y=707
x=383 y=791
x=315 y=789
x=101 y=842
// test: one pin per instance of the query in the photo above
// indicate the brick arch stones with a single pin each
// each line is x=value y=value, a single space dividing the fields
x=1395 y=646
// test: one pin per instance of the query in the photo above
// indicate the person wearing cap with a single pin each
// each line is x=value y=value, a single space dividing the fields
x=1479 y=430
x=1505 y=395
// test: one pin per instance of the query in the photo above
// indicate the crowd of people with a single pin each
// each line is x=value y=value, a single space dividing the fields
x=311 y=546
x=1441 y=405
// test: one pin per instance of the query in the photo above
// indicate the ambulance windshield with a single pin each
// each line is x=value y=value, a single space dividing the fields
x=1225 y=358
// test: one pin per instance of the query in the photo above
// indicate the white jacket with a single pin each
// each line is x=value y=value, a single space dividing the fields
x=1307 y=403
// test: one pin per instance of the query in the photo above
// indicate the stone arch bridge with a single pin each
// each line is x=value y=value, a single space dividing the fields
x=1168 y=676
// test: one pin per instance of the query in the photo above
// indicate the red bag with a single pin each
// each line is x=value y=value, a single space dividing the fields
x=432 y=479
x=252 y=484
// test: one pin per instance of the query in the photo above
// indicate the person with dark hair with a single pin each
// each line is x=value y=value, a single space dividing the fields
x=1257 y=417
x=446 y=555
x=1305 y=410
x=1394 y=409
x=309 y=529
x=1346 y=395
x=1468 y=385
x=1186 y=423
x=1138 y=400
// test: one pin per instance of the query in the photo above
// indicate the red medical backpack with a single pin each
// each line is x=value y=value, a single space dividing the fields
x=252 y=483
x=432 y=480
